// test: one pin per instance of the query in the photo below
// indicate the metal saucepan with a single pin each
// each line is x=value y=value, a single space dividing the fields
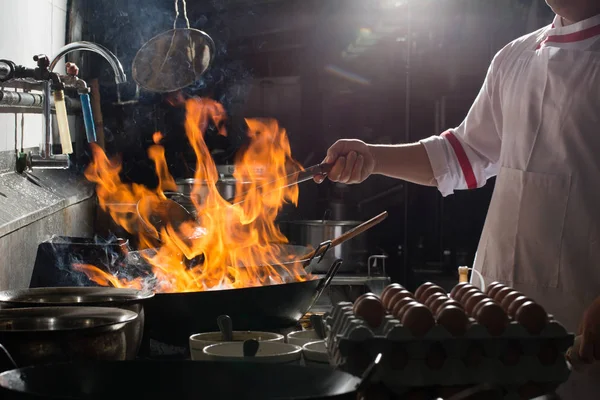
x=180 y=380
x=354 y=252
x=54 y=334
x=128 y=299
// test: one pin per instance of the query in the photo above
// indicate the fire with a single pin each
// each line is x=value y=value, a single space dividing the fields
x=227 y=245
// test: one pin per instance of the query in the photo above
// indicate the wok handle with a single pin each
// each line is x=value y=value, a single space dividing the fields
x=7 y=363
x=327 y=279
x=325 y=282
x=352 y=233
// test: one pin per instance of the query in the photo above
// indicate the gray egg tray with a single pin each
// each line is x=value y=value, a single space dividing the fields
x=477 y=357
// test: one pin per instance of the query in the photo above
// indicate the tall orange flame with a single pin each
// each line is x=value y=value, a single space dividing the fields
x=227 y=245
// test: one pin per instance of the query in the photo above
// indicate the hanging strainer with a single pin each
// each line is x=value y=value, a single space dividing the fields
x=174 y=59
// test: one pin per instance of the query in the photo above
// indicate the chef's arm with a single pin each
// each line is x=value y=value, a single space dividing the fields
x=409 y=162
x=467 y=156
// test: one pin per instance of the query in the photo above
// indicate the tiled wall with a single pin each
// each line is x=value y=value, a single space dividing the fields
x=29 y=27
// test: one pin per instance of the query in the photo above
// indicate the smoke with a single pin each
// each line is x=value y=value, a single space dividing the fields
x=59 y=257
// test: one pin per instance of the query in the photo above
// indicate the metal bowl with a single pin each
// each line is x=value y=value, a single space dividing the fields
x=128 y=299
x=42 y=335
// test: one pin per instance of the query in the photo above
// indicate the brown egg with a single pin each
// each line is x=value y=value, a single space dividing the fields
x=389 y=290
x=514 y=306
x=464 y=296
x=473 y=301
x=436 y=301
x=371 y=310
x=430 y=291
x=461 y=290
x=449 y=302
x=457 y=288
x=479 y=305
x=495 y=289
x=508 y=299
x=453 y=319
x=406 y=307
x=392 y=300
x=361 y=298
x=532 y=316
x=400 y=305
x=422 y=288
x=491 y=286
x=493 y=317
x=418 y=319
x=502 y=293
x=433 y=298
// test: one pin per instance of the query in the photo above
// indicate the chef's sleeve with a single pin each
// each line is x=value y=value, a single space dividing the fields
x=466 y=156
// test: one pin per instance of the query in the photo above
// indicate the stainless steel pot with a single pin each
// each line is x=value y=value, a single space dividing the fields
x=312 y=232
x=128 y=299
x=43 y=335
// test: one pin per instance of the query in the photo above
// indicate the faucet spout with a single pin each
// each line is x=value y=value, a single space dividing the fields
x=108 y=55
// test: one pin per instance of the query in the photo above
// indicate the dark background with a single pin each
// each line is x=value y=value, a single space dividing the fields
x=379 y=70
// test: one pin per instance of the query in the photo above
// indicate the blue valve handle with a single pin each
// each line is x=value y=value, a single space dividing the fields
x=88 y=119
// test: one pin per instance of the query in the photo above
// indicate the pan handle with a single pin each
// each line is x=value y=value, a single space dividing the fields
x=325 y=282
x=327 y=279
x=6 y=361
x=326 y=245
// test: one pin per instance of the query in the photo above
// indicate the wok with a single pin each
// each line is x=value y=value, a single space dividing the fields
x=172 y=317
x=176 y=380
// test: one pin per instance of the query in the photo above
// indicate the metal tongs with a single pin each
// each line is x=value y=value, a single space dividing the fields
x=296 y=178
x=155 y=214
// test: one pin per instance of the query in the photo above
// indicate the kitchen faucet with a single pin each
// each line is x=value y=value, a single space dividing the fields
x=45 y=158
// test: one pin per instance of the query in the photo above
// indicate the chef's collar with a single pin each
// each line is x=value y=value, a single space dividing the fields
x=588 y=27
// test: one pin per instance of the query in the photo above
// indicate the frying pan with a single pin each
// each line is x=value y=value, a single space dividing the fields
x=180 y=380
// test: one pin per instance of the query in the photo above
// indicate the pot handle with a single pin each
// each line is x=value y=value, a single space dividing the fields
x=6 y=361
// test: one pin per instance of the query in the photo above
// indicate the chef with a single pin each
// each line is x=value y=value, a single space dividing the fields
x=535 y=125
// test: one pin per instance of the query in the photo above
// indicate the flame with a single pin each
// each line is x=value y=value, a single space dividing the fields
x=227 y=245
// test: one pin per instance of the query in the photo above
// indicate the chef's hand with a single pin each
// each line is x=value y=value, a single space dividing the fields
x=352 y=159
x=590 y=333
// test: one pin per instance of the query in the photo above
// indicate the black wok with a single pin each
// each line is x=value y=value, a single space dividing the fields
x=172 y=317
x=179 y=380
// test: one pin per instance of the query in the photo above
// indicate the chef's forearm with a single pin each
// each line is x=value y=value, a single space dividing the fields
x=409 y=162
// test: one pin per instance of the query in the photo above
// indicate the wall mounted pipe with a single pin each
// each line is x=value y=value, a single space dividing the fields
x=16 y=102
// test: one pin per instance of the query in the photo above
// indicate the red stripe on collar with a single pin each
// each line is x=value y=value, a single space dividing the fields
x=575 y=36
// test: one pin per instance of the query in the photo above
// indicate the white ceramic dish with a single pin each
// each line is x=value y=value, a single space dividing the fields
x=300 y=338
x=268 y=352
x=315 y=353
x=201 y=340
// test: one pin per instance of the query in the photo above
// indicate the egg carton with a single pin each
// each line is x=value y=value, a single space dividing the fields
x=343 y=324
x=439 y=358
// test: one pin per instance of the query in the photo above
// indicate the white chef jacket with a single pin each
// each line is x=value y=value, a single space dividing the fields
x=536 y=126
